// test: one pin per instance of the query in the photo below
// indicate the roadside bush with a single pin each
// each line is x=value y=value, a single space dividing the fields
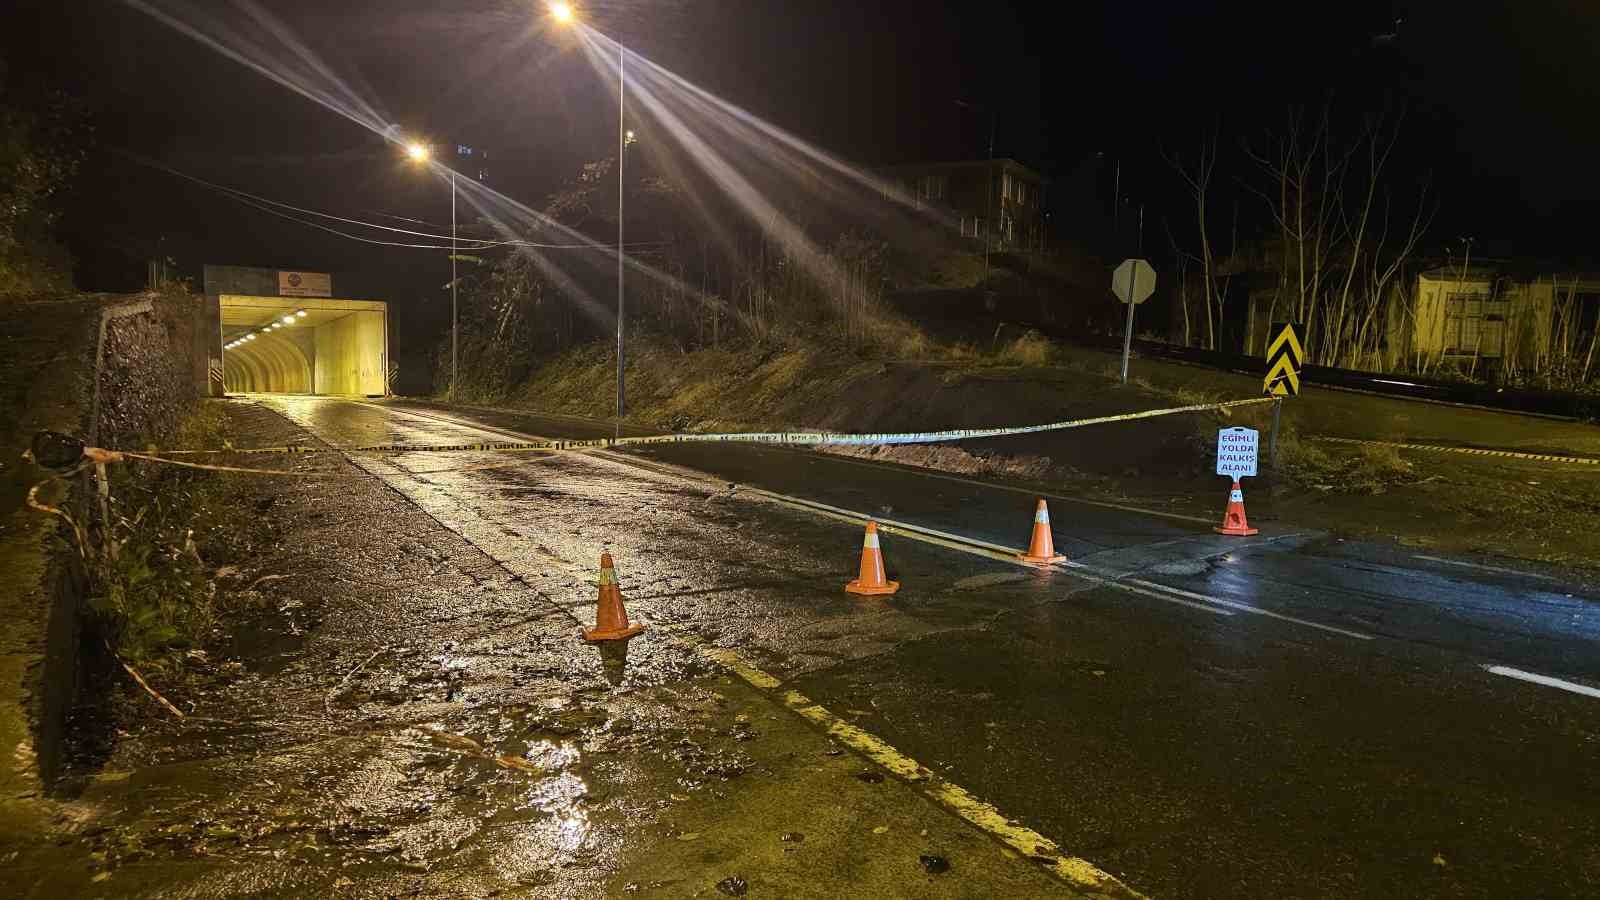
x=150 y=591
x=1192 y=397
x=1030 y=349
x=153 y=595
x=1370 y=470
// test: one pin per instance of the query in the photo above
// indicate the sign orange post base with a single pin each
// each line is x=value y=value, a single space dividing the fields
x=1233 y=519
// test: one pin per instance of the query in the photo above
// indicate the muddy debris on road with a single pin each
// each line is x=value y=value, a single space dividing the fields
x=401 y=715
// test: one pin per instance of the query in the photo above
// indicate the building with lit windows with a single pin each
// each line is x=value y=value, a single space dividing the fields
x=1000 y=201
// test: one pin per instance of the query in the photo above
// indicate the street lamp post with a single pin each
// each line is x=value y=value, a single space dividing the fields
x=564 y=14
x=421 y=153
x=455 y=334
x=622 y=147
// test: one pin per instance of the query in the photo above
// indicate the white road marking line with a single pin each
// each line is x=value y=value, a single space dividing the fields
x=1255 y=610
x=1467 y=565
x=922 y=472
x=1006 y=554
x=458 y=423
x=910 y=530
x=1167 y=597
x=984 y=816
x=1546 y=680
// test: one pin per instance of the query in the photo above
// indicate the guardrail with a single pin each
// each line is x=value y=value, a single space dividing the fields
x=1558 y=404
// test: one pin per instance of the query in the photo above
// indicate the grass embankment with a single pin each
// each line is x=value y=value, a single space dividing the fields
x=1538 y=511
x=153 y=551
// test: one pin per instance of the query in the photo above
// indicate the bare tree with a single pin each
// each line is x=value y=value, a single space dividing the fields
x=1305 y=172
x=1198 y=179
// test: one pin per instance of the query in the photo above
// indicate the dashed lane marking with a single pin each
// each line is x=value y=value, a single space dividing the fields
x=1253 y=610
x=1545 y=680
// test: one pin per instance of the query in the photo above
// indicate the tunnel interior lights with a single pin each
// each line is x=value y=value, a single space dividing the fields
x=284 y=322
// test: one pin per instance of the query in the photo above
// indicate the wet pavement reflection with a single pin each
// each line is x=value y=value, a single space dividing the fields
x=412 y=713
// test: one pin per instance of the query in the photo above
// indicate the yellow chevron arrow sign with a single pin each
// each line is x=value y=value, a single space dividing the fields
x=1282 y=380
x=1285 y=356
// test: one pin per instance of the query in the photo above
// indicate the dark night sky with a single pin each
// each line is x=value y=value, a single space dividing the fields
x=1501 y=101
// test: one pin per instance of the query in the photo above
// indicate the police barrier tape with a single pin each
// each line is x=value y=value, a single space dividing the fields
x=830 y=438
x=1472 y=451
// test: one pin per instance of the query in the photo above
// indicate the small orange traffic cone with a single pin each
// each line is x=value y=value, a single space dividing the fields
x=872 y=580
x=1042 y=549
x=611 y=620
x=1233 y=521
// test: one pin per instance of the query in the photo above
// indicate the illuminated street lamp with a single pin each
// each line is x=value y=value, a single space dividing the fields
x=421 y=153
x=564 y=15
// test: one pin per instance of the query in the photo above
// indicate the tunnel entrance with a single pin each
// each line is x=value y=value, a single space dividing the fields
x=283 y=332
x=287 y=345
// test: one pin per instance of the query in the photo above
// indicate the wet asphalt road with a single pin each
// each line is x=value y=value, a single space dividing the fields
x=1284 y=716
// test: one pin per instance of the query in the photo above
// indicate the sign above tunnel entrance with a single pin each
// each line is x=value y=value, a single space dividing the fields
x=305 y=284
x=1237 y=449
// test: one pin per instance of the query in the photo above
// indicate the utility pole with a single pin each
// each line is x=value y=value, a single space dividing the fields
x=1116 y=204
x=455 y=335
x=622 y=148
x=994 y=222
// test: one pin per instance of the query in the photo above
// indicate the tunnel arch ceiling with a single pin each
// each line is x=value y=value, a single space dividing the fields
x=336 y=347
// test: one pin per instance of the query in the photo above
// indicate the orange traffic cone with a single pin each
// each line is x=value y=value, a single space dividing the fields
x=1233 y=521
x=611 y=620
x=872 y=580
x=1042 y=549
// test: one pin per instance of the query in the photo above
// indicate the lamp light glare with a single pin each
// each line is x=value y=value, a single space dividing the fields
x=561 y=12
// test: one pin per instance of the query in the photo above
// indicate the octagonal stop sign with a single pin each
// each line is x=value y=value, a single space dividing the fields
x=1133 y=279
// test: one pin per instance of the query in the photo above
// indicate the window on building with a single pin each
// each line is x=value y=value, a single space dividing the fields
x=1474 y=324
x=933 y=187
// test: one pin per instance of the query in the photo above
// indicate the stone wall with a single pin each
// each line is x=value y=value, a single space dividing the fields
x=115 y=369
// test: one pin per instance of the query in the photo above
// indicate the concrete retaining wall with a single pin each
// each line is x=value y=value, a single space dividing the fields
x=116 y=370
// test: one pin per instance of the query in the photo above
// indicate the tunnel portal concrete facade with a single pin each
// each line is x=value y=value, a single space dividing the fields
x=279 y=331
